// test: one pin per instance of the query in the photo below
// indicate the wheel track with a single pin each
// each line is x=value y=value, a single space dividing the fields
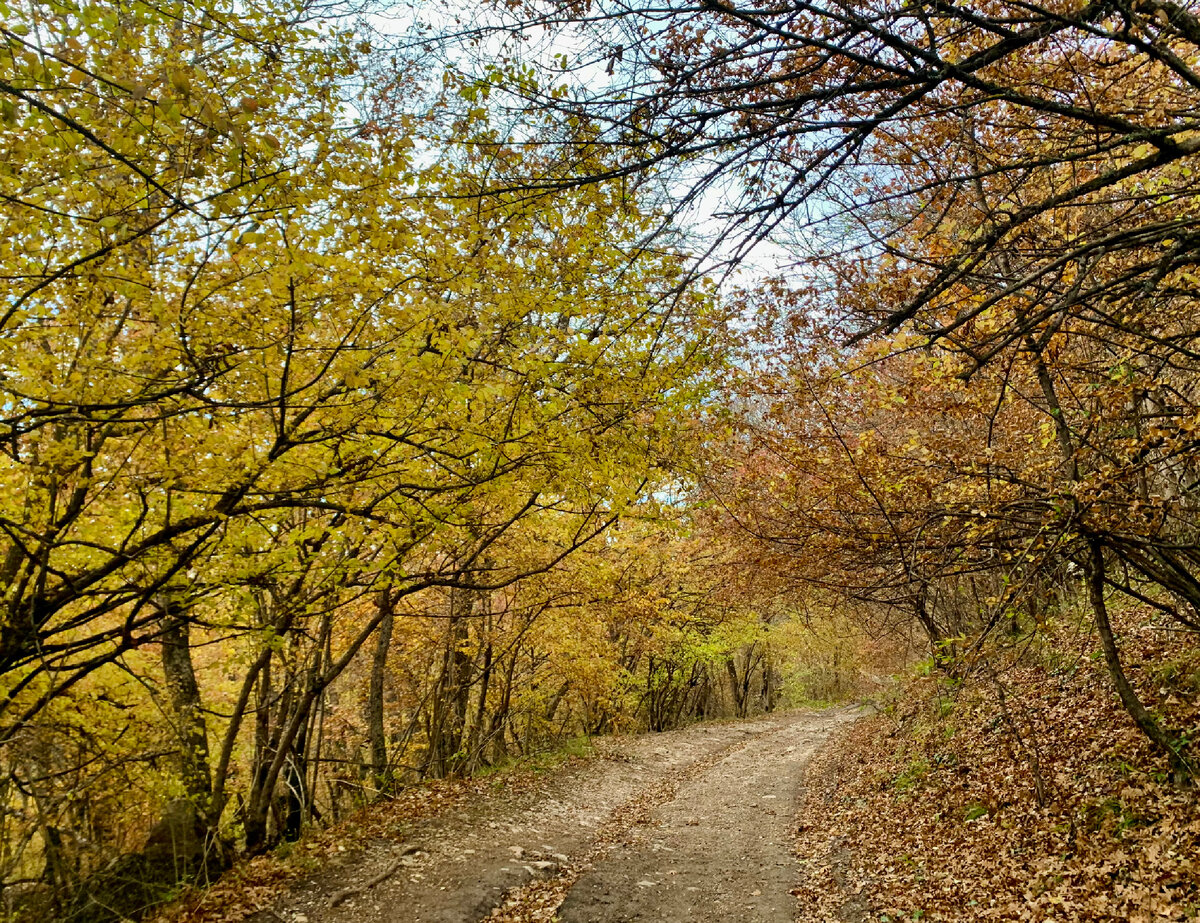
x=538 y=901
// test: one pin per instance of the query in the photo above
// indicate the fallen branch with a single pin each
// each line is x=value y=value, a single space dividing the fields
x=340 y=897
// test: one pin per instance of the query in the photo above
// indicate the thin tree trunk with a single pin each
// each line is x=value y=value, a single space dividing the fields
x=768 y=680
x=1095 y=574
x=477 y=742
x=375 y=725
x=294 y=710
x=1125 y=691
x=450 y=701
x=735 y=686
x=254 y=821
x=462 y=603
x=500 y=715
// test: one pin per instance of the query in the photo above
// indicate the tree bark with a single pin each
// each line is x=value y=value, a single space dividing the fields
x=187 y=711
x=375 y=725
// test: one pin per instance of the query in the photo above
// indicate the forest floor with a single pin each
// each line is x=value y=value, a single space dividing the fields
x=695 y=824
x=1024 y=795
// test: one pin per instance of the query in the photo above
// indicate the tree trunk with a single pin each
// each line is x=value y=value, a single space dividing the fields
x=768 y=681
x=449 y=712
x=254 y=824
x=187 y=712
x=1095 y=574
x=375 y=727
x=500 y=715
x=1125 y=691
x=476 y=744
x=735 y=687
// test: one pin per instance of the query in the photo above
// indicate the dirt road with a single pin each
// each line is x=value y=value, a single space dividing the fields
x=689 y=825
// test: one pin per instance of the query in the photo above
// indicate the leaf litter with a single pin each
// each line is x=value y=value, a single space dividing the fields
x=1024 y=794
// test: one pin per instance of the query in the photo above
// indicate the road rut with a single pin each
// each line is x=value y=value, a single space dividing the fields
x=720 y=849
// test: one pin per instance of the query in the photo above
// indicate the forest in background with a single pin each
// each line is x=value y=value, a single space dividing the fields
x=376 y=408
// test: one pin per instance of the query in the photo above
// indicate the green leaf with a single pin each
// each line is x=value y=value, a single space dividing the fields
x=976 y=811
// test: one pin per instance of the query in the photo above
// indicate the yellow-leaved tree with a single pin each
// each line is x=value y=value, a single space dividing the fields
x=271 y=367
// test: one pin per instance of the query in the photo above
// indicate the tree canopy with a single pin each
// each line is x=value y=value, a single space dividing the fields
x=377 y=406
x=1007 y=187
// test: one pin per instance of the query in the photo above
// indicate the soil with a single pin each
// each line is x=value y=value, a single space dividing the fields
x=689 y=825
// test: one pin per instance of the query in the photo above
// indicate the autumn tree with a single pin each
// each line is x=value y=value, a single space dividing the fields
x=1012 y=184
x=272 y=367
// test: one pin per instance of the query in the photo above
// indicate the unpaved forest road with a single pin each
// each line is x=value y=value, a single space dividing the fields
x=688 y=825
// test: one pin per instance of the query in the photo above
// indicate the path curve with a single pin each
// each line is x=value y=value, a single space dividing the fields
x=687 y=825
x=720 y=849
